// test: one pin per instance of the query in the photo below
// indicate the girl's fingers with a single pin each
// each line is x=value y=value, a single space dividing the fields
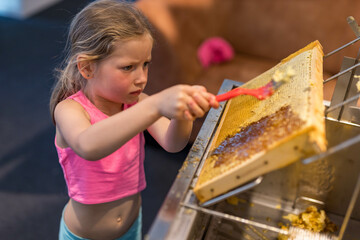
x=200 y=88
x=211 y=99
x=188 y=116
x=213 y=103
x=186 y=102
x=202 y=101
x=195 y=109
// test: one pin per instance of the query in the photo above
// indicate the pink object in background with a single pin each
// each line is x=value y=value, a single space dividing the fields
x=214 y=50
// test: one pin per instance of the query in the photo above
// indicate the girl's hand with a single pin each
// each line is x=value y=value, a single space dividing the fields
x=184 y=102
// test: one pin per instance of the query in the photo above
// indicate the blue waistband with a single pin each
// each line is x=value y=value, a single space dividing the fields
x=134 y=233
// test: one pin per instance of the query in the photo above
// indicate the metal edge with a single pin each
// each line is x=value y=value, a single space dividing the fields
x=167 y=222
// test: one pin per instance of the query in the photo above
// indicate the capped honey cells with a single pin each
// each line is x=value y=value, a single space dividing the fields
x=257 y=136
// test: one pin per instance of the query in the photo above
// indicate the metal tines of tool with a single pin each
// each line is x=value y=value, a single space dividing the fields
x=293 y=233
x=301 y=234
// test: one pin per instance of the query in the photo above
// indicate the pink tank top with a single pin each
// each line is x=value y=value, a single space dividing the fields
x=116 y=176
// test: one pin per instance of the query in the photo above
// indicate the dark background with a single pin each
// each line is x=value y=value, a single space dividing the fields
x=32 y=187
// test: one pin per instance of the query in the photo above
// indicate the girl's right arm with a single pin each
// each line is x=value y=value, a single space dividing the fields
x=96 y=141
x=93 y=142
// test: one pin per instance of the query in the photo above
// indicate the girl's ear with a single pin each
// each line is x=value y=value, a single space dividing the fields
x=85 y=66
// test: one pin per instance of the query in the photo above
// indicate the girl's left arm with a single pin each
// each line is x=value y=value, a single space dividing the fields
x=174 y=134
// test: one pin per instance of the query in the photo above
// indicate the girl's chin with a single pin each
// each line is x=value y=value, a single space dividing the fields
x=132 y=100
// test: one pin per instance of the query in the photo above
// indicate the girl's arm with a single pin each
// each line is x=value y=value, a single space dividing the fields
x=174 y=134
x=183 y=103
x=93 y=142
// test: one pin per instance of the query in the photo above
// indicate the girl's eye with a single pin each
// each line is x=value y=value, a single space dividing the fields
x=146 y=64
x=127 y=68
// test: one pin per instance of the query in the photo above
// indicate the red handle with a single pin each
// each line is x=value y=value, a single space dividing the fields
x=230 y=94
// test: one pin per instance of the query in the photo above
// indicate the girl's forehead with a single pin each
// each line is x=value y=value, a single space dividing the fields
x=137 y=47
x=145 y=39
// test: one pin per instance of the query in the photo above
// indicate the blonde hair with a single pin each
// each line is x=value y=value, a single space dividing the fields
x=93 y=32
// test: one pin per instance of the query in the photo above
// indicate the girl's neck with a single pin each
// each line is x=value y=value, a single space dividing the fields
x=105 y=106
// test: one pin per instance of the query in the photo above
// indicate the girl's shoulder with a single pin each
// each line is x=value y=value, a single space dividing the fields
x=69 y=107
x=68 y=103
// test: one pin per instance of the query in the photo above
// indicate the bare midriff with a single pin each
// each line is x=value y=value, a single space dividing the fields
x=102 y=221
x=257 y=136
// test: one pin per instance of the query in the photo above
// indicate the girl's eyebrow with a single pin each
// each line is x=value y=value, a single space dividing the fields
x=132 y=62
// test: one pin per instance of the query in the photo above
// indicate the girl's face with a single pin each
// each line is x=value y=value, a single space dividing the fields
x=121 y=77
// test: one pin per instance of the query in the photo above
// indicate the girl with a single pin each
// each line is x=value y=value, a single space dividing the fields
x=100 y=112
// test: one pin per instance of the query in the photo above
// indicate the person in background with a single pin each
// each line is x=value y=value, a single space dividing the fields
x=100 y=112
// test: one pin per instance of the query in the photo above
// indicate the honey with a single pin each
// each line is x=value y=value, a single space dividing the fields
x=257 y=136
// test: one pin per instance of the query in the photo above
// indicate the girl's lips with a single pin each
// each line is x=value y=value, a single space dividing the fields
x=136 y=92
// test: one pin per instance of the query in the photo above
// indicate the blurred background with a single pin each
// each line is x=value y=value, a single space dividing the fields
x=32 y=38
x=32 y=187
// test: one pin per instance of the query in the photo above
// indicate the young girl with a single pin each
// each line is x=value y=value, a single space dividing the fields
x=100 y=112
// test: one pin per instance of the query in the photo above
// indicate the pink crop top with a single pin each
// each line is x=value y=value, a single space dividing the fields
x=116 y=176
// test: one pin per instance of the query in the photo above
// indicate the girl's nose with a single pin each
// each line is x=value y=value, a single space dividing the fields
x=141 y=76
